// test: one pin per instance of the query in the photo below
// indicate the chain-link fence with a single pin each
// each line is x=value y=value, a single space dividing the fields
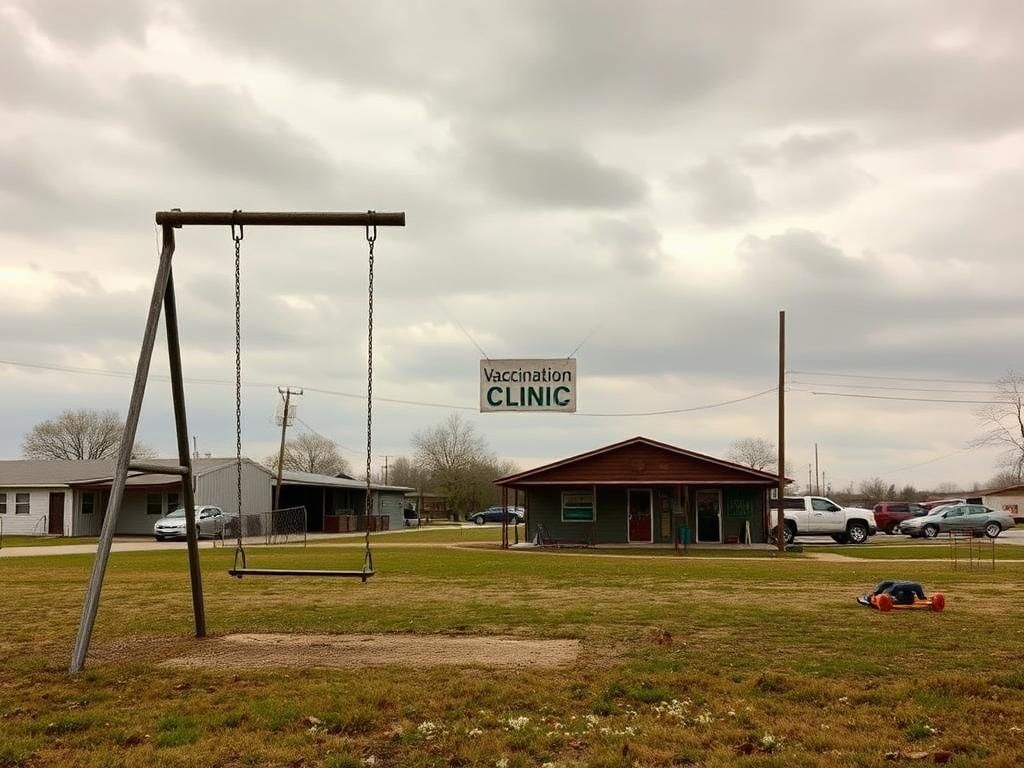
x=279 y=526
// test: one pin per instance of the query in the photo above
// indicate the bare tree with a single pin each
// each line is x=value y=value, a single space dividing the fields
x=311 y=453
x=450 y=447
x=754 y=452
x=1000 y=480
x=1002 y=423
x=876 y=490
x=79 y=434
x=456 y=461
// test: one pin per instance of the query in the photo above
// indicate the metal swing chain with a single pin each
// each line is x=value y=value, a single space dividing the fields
x=237 y=237
x=371 y=237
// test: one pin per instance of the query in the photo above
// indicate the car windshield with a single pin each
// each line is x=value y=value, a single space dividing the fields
x=177 y=514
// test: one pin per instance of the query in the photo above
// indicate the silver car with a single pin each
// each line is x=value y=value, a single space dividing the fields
x=210 y=521
x=958 y=518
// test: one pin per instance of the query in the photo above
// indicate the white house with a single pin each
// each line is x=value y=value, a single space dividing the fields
x=69 y=498
x=1011 y=499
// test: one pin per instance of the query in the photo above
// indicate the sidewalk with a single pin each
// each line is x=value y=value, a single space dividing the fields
x=141 y=544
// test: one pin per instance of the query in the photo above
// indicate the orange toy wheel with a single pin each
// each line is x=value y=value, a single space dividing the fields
x=938 y=602
x=884 y=603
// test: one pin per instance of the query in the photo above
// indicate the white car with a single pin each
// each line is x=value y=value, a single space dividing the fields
x=819 y=516
x=210 y=521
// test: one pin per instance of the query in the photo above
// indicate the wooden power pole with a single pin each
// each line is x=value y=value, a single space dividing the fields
x=781 y=520
x=287 y=393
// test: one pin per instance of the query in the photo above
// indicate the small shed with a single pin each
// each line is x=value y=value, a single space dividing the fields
x=1010 y=499
x=338 y=504
x=641 y=491
x=429 y=506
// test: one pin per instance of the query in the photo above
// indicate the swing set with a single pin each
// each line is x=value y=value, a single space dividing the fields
x=163 y=296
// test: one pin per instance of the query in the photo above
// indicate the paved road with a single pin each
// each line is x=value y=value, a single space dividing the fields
x=142 y=544
x=1013 y=536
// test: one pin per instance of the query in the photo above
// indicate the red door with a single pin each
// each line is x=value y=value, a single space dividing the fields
x=56 y=524
x=640 y=516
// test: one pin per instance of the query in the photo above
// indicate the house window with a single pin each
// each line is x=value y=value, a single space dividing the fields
x=577 y=506
x=3 y=503
x=88 y=503
x=172 y=502
x=154 y=504
x=21 y=505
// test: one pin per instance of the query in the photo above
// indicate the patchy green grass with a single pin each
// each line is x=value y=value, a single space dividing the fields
x=926 y=551
x=44 y=541
x=684 y=661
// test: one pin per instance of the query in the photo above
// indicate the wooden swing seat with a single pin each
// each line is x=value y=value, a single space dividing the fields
x=240 y=572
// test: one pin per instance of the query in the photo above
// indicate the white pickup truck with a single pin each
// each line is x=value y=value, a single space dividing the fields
x=818 y=516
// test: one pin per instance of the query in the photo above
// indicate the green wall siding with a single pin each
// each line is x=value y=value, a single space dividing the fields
x=739 y=503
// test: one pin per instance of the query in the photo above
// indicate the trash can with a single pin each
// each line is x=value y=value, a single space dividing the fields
x=684 y=534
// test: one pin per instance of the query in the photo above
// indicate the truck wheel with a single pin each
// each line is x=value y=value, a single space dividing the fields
x=931 y=531
x=892 y=528
x=857 y=533
x=788 y=534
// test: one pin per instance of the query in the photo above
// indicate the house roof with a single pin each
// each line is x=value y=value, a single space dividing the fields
x=310 y=478
x=1018 y=488
x=57 y=472
x=637 y=469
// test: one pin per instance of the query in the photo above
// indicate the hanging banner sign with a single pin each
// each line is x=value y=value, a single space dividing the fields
x=528 y=385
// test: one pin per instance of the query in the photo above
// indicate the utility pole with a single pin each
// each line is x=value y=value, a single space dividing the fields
x=809 y=486
x=780 y=521
x=286 y=416
x=817 y=477
x=195 y=447
x=385 y=457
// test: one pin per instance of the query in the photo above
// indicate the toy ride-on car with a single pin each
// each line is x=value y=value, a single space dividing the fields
x=890 y=595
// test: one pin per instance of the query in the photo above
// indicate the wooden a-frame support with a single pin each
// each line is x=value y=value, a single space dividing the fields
x=163 y=295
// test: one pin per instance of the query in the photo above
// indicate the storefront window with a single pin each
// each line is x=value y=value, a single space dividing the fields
x=577 y=506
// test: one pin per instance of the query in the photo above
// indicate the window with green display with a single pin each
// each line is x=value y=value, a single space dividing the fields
x=577 y=506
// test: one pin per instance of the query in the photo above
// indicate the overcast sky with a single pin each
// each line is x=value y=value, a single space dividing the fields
x=659 y=178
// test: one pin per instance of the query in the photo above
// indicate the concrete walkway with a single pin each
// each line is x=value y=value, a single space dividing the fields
x=141 y=544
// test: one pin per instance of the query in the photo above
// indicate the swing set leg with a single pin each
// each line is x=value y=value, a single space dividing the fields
x=163 y=293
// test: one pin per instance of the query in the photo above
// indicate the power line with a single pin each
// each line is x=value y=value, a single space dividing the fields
x=886 y=378
x=352 y=395
x=904 y=399
x=897 y=389
x=687 y=410
x=922 y=463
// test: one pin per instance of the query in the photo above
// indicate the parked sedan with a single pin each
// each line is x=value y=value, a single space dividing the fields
x=496 y=514
x=958 y=518
x=210 y=521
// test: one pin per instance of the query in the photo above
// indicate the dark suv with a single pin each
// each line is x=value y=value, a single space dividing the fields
x=889 y=514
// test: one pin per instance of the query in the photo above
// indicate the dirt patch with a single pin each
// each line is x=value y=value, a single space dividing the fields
x=257 y=651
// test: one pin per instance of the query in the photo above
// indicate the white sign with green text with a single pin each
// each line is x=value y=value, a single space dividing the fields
x=528 y=385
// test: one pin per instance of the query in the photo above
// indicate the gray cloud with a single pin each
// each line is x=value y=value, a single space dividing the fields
x=559 y=175
x=634 y=244
x=533 y=146
x=722 y=193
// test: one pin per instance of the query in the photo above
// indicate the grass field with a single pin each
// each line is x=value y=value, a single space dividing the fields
x=921 y=551
x=712 y=662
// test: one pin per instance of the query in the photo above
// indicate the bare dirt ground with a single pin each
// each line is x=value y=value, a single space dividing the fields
x=256 y=651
